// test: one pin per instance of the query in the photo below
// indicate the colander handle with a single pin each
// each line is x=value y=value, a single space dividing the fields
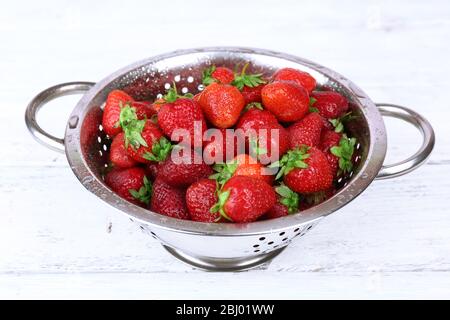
x=52 y=93
x=418 y=158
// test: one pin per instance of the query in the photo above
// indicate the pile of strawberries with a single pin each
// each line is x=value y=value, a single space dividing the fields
x=304 y=129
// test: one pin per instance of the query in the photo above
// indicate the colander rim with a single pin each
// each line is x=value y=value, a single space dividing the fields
x=367 y=173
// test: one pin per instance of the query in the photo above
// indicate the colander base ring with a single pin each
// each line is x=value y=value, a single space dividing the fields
x=222 y=265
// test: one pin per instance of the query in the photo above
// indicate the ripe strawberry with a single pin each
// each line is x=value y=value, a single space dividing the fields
x=168 y=200
x=252 y=94
x=185 y=171
x=223 y=149
x=217 y=74
x=116 y=100
x=242 y=165
x=255 y=121
x=182 y=114
x=201 y=196
x=288 y=101
x=330 y=104
x=131 y=184
x=306 y=131
x=118 y=154
x=287 y=203
x=244 y=199
x=222 y=104
x=302 y=78
x=305 y=170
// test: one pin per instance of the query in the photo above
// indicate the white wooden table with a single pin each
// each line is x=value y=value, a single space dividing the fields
x=59 y=241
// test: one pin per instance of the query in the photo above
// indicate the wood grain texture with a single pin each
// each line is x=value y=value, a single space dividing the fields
x=58 y=241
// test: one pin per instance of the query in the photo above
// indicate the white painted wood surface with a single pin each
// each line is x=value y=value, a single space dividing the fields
x=391 y=242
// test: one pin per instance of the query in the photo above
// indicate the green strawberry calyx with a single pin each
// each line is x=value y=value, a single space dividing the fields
x=291 y=160
x=339 y=123
x=311 y=105
x=224 y=171
x=250 y=80
x=207 y=77
x=255 y=149
x=289 y=198
x=222 y=197
x=132 y=127
x=256 y=105
x=160 y=150
x=144 y=193
x=344 y=151
x=172 y=94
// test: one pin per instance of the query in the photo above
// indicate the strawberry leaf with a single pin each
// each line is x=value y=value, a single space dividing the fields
x=207 y=77
x=288 y=197
x=224 y=171
x=222 y=198
x=291 y=160
x=312 y=101
x=250 y=80
x=339 y=123
x=172 y=94
x=344 y=151
x=256 y=105
x=160 y=150
x=132 y=127
x=144 y=193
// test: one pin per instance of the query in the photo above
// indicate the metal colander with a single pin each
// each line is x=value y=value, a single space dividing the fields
x=223 y=246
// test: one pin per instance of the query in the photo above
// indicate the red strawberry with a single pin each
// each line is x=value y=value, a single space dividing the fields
x=116 y=100
x=111 y=113
x=242 y=165
x=217 y=74
x=131 y=184
x=288 y=101
x=306 y=131
x=182 y=114
x=305 y=170
x=302 y=78
x=328 y=140
x=222 y=104
x=330 y=104
x=118 y=154
x=201 y=196
x=252 y=94
x=168 y=200
x=185 y=170
x=255 y=120
x=244 y=199
x=287 y=203
x=223 y=149
x=146 y=142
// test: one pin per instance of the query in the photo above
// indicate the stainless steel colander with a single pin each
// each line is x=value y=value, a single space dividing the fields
x=223 y=246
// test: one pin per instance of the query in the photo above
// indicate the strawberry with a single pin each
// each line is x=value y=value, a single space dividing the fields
x=305 y=170
x=152 y=170
x=244 y=199
x=330 y=104
x=182 y=114
x=287 y=203
x=131 y=184
x=242 y=165
x=223 y=149
x=252 y=94
x=288 y=101
x=254 y=120
x=222 y=104
x=302 y=78
x=143 y=139
x=306 y=131
x=217 y=74
x=118 y=154
x=116 y=100
x=168 y=200
x=186 y=170
x=200 y=198
x=344 y=153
